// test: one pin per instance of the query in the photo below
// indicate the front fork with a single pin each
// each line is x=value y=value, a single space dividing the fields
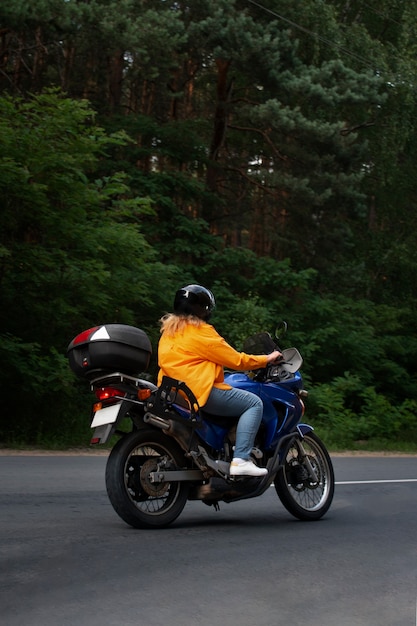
x=302 y=430
x=305 y=461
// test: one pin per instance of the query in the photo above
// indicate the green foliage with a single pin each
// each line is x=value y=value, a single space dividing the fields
x=350 y=415
x=266 y=151
x=73 y=254
x=41 y=405
x=64 y=231
x=375 y=342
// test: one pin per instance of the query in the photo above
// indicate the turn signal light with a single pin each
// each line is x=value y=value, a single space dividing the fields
x=144 y=394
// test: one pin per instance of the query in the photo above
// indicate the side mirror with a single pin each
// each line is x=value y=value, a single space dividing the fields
x=281 y=329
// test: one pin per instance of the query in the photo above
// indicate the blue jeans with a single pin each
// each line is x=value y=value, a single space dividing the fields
x=235 y=402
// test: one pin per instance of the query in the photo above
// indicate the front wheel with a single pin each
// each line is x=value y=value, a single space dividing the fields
x=305 y=482
x=138 y=501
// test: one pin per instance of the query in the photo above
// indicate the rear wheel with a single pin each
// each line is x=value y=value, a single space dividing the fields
x=305 y=482
x=137 y=500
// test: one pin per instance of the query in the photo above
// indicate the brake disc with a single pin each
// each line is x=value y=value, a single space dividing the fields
x=152 y=489
x=299 y=477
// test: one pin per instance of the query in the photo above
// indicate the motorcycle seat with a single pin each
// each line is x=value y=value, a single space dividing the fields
x=174 y=394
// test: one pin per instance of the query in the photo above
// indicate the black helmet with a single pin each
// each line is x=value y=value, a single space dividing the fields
x=194 y=300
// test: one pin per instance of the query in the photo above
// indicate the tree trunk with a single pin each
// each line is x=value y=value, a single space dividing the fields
x=115 y=78
x=224 y=89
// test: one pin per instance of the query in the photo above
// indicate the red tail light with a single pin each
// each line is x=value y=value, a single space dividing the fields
x=104 y=393
x=84 y=336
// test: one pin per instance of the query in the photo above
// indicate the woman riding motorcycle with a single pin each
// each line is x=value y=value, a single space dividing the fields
x=192 y=351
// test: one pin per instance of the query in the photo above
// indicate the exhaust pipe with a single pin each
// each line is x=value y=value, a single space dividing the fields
x=180 y=432
x=154 y=420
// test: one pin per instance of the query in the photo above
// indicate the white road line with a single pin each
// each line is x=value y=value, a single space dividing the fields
x=373 y=482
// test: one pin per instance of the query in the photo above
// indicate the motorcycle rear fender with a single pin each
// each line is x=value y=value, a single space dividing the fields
x=103 y=432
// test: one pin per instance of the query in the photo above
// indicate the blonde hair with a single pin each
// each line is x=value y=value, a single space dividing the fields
x=172 y=324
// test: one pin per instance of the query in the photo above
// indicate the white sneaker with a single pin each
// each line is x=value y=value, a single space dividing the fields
x=239 y=467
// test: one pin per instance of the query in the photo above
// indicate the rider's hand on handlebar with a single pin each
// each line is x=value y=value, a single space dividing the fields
x=275 y=357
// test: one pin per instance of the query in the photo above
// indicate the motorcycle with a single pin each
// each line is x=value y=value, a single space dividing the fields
x=169 y=450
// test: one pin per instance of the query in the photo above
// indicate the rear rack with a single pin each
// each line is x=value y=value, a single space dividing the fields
x=173 y=395
x=119 y=377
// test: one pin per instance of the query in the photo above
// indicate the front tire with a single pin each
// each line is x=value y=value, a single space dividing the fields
x=135 y=499
x=304 y=497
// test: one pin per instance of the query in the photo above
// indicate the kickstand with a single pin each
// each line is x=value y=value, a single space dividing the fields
x=213 y=503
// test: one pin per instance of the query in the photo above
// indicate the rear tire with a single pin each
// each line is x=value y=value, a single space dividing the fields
x=303 y=497
x=135 y=499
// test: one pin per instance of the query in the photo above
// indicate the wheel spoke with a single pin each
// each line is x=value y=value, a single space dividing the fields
x=309 y=495
x=138 y=500
x=305 y=483
x=150 y=498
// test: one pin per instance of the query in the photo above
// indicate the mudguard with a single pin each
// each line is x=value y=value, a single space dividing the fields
x=304 y=429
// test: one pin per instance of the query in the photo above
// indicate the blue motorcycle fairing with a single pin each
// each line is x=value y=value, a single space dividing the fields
x=294 y=383
x=282 y=410
x=211 y=433
x=282 y=407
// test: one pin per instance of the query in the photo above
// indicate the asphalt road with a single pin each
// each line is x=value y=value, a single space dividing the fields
x=67 y=559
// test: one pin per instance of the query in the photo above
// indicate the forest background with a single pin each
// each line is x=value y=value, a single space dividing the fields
x=264 y=149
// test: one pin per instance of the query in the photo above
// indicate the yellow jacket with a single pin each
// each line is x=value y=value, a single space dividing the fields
x=197 y=356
